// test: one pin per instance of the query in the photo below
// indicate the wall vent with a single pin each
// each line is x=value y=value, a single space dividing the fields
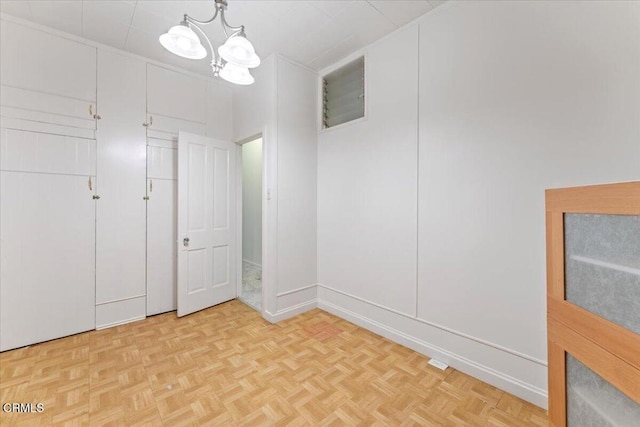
x=343 y=94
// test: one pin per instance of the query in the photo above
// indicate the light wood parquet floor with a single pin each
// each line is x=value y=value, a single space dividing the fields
x=227 y=366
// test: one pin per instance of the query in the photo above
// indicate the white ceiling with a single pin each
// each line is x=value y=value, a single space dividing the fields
x=314 y=33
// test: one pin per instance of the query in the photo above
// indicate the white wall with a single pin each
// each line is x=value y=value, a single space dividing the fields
x=514 y=97
x=252 y=202
x=282 y=106
x=297 y=177
x=254 y=106
x=368 y=185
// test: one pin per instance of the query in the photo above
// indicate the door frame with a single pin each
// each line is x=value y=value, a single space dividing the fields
x=269 y=218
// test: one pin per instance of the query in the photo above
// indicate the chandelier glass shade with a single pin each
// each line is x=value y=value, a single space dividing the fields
x=238 y=75
x=235 y=56
x=182 y=41
x=239 y=51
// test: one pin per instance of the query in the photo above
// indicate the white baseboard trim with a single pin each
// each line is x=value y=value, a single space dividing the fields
x=295 y=297
x=120 y=322
x=120 y=311
x=289 y=312
x=502 y=380
x=304 y=288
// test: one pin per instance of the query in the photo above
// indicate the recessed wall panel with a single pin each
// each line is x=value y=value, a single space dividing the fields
x=220 y=265
x=197 y=270
x=197 y=186
x=161 y=162
x=26 y=151
x=221 y=189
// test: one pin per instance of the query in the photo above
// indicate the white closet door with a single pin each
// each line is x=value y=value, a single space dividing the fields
x=161 y=246
x=162 y=276
x=47 y=286
x=206 y=222
x=121 y=215
x=47 y=213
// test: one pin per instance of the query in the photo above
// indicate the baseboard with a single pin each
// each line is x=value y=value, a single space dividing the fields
x=491 y=365
x=119 y=312
x=289 y=312
x=120 y=322
x=295 y=297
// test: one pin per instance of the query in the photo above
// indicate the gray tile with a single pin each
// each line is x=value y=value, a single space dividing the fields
x=251 y=286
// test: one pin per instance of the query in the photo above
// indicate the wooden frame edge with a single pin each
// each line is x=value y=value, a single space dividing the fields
x=555 y=255
x=617 y=199
x=616 y=339
x=616 y=371
x=557 y=381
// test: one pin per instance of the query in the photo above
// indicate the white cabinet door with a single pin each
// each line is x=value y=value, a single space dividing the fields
x=161 y=246
x=175 y=95
x=161 y=225
x=206 y=222
x=121 y=215
x=38 y=61
x=47 y=266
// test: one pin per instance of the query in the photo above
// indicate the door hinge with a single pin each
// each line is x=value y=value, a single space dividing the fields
x=96 y=197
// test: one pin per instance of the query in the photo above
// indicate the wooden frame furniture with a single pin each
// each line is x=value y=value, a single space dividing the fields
x=605 y=347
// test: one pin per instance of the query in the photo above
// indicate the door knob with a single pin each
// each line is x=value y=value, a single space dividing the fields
x=185 y=241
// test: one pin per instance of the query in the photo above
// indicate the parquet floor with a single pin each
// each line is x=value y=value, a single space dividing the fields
x=228 y=366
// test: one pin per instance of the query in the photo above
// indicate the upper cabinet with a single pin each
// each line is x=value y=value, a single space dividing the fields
x=57 y=66
x=49 y=87
x=172 y=95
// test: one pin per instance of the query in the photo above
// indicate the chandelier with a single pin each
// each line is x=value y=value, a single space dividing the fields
x=235 y=56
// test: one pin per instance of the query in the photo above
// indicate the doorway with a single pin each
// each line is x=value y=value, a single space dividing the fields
x=251 y=290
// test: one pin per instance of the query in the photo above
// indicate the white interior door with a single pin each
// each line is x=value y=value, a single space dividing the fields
x=206 y=223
